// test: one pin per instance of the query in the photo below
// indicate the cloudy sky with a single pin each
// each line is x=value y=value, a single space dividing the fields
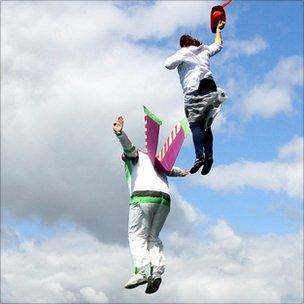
x=68 y=70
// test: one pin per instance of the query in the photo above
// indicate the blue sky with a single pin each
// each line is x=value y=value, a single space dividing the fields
x=61 y=168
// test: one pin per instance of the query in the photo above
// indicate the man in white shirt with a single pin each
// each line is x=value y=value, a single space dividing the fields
x=192 y=61
x=148 y=209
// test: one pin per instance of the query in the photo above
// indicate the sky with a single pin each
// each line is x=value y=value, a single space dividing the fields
x=68 y=69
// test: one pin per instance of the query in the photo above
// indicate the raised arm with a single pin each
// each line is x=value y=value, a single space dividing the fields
x=218 y=40
x=218 y=34
x=129 y=149
x=178 y=172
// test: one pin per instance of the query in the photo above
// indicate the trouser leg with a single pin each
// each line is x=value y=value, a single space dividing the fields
x=138 y=232
x=208 y=142
x=198 y=140
x=155 y=245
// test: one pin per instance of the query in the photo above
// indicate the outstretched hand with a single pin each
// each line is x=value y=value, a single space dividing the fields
x=221 y=24
x=184 y=172
x=118 y=125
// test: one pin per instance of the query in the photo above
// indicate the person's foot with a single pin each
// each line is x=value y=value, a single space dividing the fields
x=153 y=283
x=136 y=280
x=197 y=164
x=207 y=165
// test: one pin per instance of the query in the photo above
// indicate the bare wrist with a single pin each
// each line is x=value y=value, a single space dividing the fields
x=118 y=132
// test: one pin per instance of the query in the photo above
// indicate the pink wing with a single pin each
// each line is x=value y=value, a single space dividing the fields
x=169 y=152
x=152 y=124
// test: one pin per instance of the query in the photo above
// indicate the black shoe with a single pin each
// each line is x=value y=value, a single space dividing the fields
x=153 y=284
x=197 y=164
x=207 y=166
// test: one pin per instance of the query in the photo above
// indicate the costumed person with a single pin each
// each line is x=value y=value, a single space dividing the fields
x=149 y=204
x=201 y=95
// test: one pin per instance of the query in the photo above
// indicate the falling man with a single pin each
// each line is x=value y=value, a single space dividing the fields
x=150 y=198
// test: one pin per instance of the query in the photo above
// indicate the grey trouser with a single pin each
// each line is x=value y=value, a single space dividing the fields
x=145 y=223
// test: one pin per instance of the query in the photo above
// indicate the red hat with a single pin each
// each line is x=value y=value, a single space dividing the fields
x=217 y=14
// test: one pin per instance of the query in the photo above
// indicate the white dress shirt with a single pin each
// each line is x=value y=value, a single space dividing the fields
x=193 y=64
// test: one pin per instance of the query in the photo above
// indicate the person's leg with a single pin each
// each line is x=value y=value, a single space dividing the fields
x=208 y=146
x=202 y=138
x=138 y=232
x=208 y=143
x=155 y=248
x=155 y=245
x=198 y=141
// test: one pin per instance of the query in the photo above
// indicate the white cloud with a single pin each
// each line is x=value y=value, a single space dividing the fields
x=293 y=150
x=275 y=92
x=164 y=17
x=221 y=267
x=235 y=48
x=192 y=215
x=44 y=272
x=282 y=175
x=90 y=296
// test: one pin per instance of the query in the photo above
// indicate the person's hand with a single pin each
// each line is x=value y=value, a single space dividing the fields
x=221 y=25
x=118 y=125
x=184 y=172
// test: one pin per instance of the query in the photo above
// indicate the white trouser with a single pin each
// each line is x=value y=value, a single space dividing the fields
x=145 y=222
